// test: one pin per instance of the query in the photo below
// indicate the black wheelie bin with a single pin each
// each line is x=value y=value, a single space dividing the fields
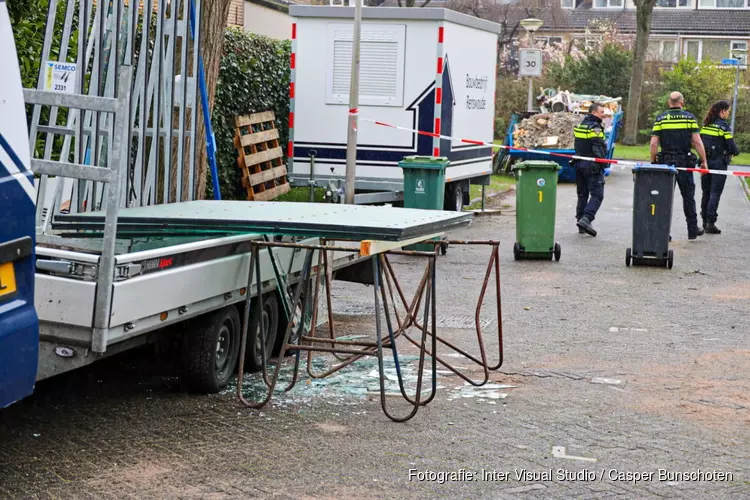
x=653 y=194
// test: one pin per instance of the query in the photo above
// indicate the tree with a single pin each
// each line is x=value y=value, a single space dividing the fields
x=644 y=10
x=214 y=16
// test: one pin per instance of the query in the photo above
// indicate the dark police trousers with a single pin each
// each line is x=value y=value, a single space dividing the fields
x=686 y=183
x=590 y=188
x=712 y=186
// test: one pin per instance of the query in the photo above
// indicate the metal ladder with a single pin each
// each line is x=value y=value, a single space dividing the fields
x=112 y=176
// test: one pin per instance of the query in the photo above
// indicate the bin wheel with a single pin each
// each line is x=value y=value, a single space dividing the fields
x=670 y=259
x=516 y=251
x=628 y=256
x=558 y=252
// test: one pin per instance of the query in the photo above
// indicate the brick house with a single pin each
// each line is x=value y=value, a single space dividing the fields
x=700 y=29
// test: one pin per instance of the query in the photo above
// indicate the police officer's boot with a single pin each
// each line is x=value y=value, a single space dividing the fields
x=693 y=233
x=585 y=224
x=712 y=229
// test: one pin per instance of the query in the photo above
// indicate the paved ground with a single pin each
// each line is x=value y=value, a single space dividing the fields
x=675 y=340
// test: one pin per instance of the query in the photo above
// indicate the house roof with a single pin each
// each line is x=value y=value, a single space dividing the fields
x=664 y=21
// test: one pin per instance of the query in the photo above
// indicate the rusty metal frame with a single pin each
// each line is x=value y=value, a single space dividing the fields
x=385 y=283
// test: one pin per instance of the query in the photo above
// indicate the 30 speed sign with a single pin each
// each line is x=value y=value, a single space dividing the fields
x=530 y=62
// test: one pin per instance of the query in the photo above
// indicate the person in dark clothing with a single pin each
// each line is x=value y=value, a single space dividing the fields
x=676 y=130
x=589 y=141
x=720 y=147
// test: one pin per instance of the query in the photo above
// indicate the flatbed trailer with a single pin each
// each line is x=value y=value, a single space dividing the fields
x=198 y=285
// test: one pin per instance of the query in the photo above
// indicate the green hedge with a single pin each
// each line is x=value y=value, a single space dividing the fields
x=253 y=77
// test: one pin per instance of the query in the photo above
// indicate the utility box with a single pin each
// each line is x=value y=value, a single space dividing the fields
x=536 y=207
x=426 y=69
x=653 y=194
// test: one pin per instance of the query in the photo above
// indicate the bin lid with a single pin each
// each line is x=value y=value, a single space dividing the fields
x=654 y=168
x=424 y=162
x=539 y=164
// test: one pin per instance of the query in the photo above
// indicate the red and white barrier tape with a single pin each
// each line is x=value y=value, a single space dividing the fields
x=621 y=163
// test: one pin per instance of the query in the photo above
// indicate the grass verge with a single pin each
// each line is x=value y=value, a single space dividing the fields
x=301 y=194
x=498 y=184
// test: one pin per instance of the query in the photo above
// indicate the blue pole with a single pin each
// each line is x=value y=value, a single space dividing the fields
x=210 y=139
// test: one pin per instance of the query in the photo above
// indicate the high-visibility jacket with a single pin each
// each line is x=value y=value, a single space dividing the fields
x=589 y=138
x=718 y=140
x=675 y=128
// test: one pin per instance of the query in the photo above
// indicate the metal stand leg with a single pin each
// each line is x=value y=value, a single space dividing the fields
x=385 y=282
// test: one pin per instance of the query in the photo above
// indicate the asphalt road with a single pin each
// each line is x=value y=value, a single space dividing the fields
x=641 y=374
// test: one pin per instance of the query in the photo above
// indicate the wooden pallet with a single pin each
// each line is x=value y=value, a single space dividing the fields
x=260 y=157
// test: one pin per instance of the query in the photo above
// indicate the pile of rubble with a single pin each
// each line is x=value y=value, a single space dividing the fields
x=546 y=130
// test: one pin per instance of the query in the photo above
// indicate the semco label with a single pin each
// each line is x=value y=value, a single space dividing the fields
x=60 y=77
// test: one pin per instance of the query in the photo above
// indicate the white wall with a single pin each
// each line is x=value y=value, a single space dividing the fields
x=472 y=53
x=270 y=22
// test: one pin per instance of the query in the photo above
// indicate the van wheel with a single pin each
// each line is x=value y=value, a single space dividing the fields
x=270 y=324
x=210 y=351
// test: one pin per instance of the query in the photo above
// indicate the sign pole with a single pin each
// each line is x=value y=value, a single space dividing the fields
x=530 y=64
x=351 y=136
x=530 y=101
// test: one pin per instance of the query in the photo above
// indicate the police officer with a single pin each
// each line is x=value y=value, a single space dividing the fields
x=589 y=141
x=676 y=130
x=720 y=147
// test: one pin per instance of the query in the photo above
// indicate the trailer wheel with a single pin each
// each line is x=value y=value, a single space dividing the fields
x=454 y=197
x=270 y=324
x=210 y=351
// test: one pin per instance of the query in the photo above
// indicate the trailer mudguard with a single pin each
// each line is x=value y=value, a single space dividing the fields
x=19 y=325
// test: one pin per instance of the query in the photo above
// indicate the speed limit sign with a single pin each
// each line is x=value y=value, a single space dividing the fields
x=530 y=62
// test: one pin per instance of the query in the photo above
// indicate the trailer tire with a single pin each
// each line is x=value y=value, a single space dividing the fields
x=210 y=351
x=270 y=322
x=454 y=197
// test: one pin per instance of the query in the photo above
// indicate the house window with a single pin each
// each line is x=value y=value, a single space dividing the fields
x=548 y=40
x=607 y=4
x=723 y=4
x=693 y=49
x=662 y=50
x=715 y=50
x=568 y=4
x=741 y=45
x=668 y=50
x=673 y=4
x=381 y=64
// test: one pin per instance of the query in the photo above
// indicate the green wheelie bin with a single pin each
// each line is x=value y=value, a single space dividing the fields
x=424 y=188
x=536 y=198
